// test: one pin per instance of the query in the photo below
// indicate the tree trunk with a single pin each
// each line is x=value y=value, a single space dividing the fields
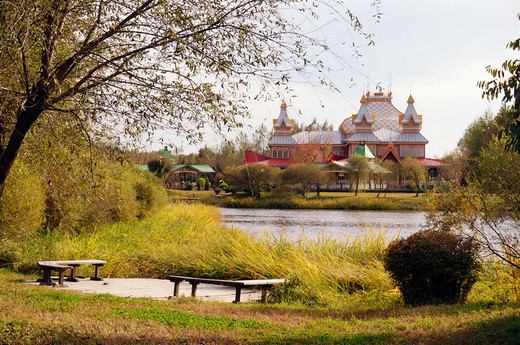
x=27 y=115
x=357 y=184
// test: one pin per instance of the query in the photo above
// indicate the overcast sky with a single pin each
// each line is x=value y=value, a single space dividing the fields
x=435 y=49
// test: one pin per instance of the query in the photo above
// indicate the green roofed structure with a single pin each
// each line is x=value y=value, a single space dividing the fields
x=189 y=173
x=364 y=151
x=167 y=154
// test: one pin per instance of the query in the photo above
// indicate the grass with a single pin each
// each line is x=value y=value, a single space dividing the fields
x=35 y=314
x=338 y=292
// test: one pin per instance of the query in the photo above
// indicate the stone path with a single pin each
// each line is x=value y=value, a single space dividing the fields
x=155 y=289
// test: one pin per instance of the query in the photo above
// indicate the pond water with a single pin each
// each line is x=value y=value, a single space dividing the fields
x=329 y=223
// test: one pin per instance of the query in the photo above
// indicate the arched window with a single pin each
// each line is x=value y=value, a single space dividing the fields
x=403 y=151
x=279 y=153
x=408 y=151
x=415 y=151
x=274 y=154
x=421 y=152
x=285 y=154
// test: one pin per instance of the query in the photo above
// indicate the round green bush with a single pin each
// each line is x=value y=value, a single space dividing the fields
x=433 y=267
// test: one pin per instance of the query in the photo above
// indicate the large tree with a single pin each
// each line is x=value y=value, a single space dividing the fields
x=140 y=65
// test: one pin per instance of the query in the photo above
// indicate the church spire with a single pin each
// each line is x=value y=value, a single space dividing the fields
x=411 y=114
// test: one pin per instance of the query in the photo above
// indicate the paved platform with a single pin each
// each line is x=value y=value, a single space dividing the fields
x=155 y=289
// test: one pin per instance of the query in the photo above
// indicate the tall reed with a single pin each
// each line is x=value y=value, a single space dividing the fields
x=188 y=239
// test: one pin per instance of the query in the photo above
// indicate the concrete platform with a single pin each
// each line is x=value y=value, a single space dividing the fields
x=154 y=289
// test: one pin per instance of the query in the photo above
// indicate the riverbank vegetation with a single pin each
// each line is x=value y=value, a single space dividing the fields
x=189 y=240
x=326 y=200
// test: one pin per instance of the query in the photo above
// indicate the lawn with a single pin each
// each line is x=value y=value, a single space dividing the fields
x=43 y=315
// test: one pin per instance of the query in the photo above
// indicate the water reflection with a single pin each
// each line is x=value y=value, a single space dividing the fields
x=313 y=223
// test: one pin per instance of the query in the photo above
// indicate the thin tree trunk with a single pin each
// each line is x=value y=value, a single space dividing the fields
x=27 y=116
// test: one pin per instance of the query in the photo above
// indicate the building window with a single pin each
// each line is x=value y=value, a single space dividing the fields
x=279 y=153
x=421 y=152
x=415 y=151
x=403 y=151
x=274 y=154
x=408 y=152
x=285 y=154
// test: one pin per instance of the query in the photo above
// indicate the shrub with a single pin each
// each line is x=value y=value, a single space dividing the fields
x=189 y=186
x=216 y=190
x=22 y=204
x=433 y=267
x=200 y=183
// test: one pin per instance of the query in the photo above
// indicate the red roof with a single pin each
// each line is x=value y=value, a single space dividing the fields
x=251 y=157
x=431 y=162
x=278 y=162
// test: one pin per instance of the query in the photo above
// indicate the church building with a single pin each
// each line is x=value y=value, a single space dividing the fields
x=389 y=133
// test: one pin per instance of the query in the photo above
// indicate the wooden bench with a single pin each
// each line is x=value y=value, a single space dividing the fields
x=264 y=284
x=62 y=266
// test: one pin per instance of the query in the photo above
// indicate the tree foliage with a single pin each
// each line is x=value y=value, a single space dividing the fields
x=160 y=166
x=358 y=170
x=414 y=171
x=479 y=134
x=489 y=206
x=142 y=65
x=252 y=178
x=301 y=177
x=316 y=150
x=506 y=82
x=313 y=126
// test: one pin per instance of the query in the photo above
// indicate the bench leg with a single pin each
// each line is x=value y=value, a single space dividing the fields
x=46 y=280
x=61 y=273
x=265 y=289
x=238 y=291
x=176 y=289
x=96 y=273
x=194 y=289
x=72 y=277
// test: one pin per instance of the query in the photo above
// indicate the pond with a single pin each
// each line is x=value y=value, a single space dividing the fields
x=329 y=223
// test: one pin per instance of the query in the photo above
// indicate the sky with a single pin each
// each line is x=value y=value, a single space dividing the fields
x=435 y=50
